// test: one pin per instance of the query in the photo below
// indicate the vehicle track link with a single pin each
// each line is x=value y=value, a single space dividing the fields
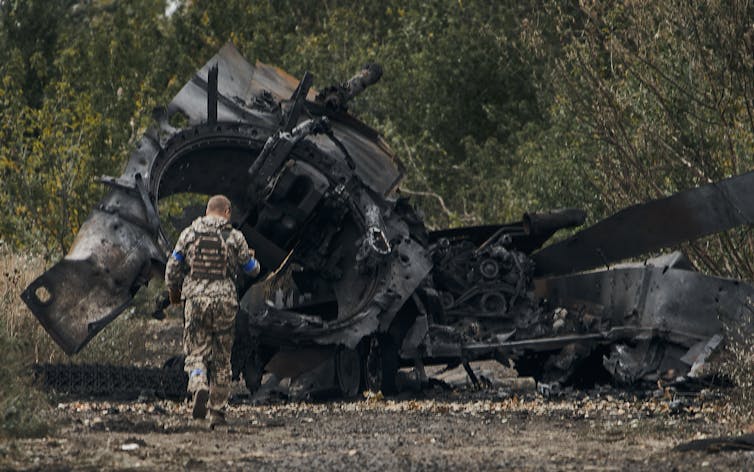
x=111 y=381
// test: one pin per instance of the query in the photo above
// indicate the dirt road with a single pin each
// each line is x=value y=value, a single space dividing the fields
x=436 y=431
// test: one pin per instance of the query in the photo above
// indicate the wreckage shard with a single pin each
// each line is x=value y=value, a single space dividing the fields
x=356 y=287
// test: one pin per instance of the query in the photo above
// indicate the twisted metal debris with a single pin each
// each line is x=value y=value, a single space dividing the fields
x=357 y=287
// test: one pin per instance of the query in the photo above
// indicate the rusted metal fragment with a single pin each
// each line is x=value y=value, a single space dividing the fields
x=654 y=225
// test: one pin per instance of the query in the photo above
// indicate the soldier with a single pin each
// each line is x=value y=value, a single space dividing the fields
x=202 y=270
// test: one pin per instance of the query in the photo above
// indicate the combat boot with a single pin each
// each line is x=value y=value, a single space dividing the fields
x=216 y=419
x=199 y=410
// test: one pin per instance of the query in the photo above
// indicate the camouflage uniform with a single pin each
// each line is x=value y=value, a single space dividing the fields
x=210 y=306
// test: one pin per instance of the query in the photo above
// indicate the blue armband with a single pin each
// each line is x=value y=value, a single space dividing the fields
x=178 y=256
x=249 y=266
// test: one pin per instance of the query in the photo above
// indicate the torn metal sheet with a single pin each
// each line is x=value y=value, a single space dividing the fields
x=113 y=254
x=700 y=353
x=654 y=225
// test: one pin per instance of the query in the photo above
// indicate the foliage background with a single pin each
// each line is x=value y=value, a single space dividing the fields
x=464 y=100
x=496 y=108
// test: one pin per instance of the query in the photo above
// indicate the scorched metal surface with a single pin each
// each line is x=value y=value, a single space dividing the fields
x=355 y=286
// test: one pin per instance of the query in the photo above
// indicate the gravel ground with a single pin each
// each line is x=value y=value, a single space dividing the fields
x=438 y=430
x=601 y=429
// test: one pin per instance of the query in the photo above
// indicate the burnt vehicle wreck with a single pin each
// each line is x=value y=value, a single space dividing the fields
x=355 y=287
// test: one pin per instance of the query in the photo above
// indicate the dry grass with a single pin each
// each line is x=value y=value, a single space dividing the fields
x=22 y=407
x=24 y=342
x=738 y=362
x=16 y=321
x=118 y=343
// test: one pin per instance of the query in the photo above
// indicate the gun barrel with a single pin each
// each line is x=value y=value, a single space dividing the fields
x=337 y=96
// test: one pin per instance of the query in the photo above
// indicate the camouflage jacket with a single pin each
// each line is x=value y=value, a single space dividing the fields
x=239 y=258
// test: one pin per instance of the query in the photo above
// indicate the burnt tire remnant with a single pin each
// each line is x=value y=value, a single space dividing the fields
x=381 y=365
x=348 y=371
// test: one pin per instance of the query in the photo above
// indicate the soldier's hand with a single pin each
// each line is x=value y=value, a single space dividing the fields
x=175 y=296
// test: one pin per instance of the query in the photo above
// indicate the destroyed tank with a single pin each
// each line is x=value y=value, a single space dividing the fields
x=354 y=286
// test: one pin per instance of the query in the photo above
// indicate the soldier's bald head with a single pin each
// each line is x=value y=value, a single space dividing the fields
x=219 y=205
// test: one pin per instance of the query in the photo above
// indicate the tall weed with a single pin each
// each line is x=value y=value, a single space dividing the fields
x=738 y=360
x=22 y=407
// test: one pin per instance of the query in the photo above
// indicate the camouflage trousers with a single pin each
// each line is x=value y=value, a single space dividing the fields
x=207 y=341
